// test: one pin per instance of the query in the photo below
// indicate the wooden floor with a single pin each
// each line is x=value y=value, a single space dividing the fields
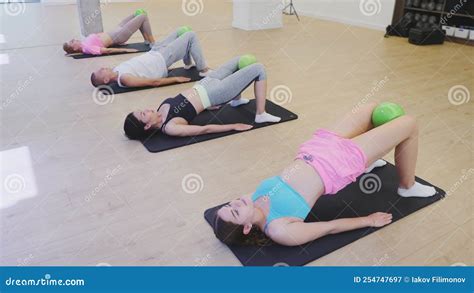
x=103 y=199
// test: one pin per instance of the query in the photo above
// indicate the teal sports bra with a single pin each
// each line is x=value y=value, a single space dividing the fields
x=284 y=200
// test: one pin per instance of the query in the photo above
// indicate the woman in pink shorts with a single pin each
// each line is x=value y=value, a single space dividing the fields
x=98 y=44
x=325 y=164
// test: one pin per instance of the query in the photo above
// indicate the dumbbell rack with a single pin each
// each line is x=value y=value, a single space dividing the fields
x=461 y=17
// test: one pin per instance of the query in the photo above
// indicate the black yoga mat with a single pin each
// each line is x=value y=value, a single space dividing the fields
x=114 y=88
x=225 y=115
x=141 y=47
x=348 y=203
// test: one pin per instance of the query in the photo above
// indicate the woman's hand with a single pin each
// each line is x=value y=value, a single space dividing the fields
x=181 y=79
x=242 y=127
x=117 y=50
x=212 y=108
x=379 y=219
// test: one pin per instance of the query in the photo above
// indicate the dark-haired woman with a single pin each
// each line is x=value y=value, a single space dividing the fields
x=328 y=162
x=99 y=43
x=221 y=86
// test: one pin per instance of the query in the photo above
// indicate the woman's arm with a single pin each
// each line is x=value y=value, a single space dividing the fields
x=117 y=50
x=135 y=81
x=298 y=233
x=192 y=130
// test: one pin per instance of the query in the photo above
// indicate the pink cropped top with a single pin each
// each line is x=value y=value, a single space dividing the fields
x=92 y=45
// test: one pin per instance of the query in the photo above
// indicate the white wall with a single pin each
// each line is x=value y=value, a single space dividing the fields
x=376 y=14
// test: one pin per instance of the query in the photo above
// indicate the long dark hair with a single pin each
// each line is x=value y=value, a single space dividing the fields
x=135 y=129
x=233 y=234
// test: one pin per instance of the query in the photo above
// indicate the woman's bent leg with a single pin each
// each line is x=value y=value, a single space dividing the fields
x=401 y=134
x=355 y=122
x=223 y=91
x=183 y=48
x=123 y=34
x=126 y=19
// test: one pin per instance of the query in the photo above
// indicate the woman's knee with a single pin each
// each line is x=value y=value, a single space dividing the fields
x=372 y=105
x=190 y=35
x=260 y=69
x=142 y=17
x=410 y=122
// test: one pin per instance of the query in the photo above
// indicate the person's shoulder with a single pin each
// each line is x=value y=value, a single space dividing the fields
x=277 y=228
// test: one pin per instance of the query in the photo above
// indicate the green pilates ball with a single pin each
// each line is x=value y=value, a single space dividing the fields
x=247 y=60
x=386 y=112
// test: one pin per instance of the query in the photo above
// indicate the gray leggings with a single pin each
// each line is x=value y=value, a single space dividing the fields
x=174 y=48
x=129 y=26
x=228 y=82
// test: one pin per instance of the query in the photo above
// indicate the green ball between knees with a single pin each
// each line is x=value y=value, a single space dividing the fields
x=140 y=12
x=386 y=112
x=247 y=60
x=184 y=29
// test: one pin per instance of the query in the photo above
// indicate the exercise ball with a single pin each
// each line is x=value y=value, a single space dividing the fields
x=183 y=29
x=246 y=60
x=386 y=112
x=140 y=12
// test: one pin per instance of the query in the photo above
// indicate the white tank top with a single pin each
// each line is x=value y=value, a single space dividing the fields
x=148 y=65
